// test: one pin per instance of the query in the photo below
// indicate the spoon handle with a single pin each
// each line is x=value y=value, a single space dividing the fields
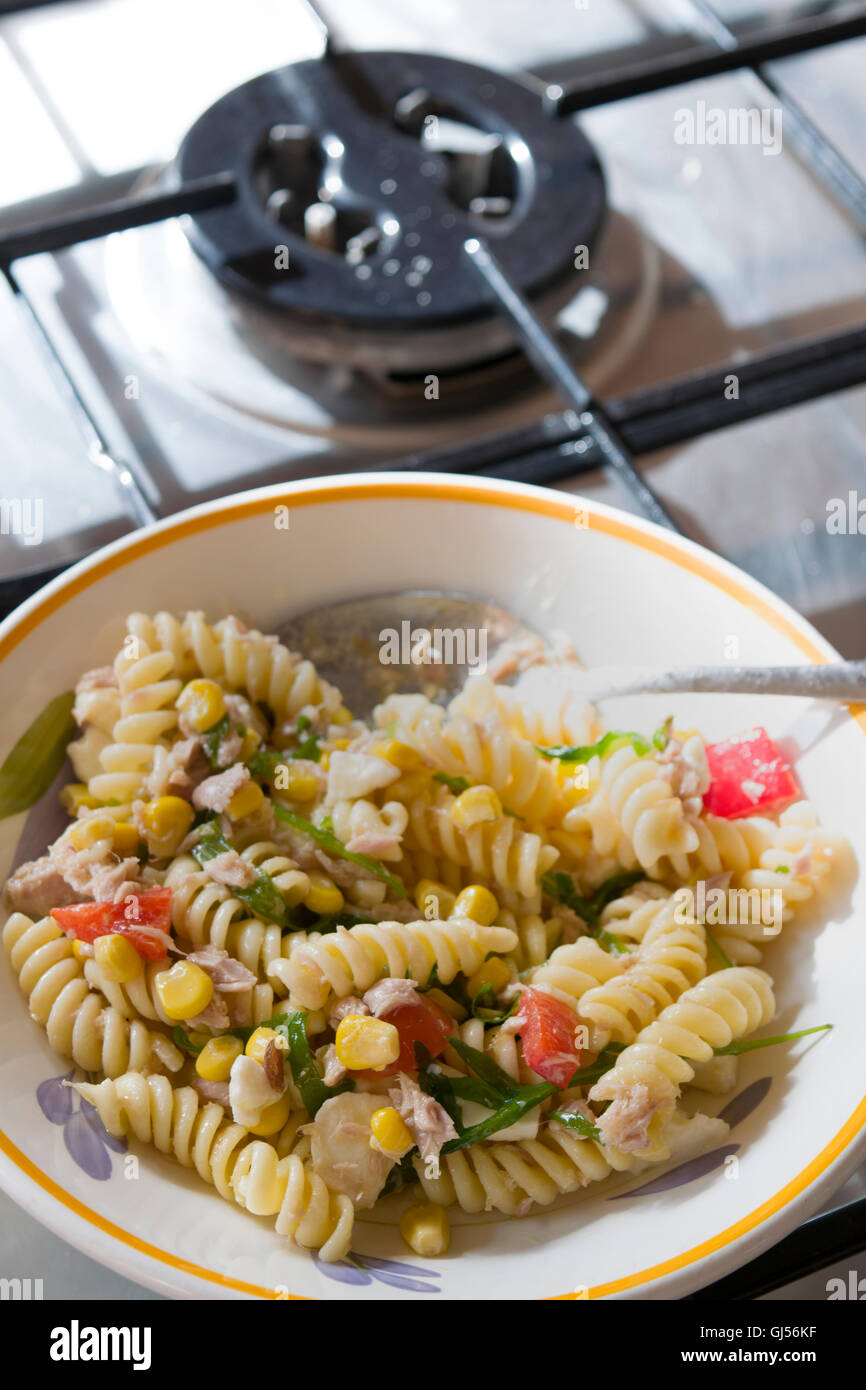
x=841 y=680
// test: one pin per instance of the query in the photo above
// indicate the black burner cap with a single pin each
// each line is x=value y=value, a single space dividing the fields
x=360 y=176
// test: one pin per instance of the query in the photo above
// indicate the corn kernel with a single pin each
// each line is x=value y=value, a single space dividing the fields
x=343 y=716
x=82 y=951
x=433 y=898
x=85 y=833
x=426 y=1229
x=75 y=796
x=125 y=839
x=184 y=990
x=402 y=755
x=411 y=785
x=273 y=1117
x=202 y=703
x=246 y=801
x=117 y=958
x=476 y=902
x=574 y=784
x=215 y=1061
x=323 y=896
x=364 y=1043
x=390 y=1133
x=341 y=744
x=475 y=806
x=167 y=820
x=493 y=972
x=259 y=1041
x=296 y=782
x=250 y=742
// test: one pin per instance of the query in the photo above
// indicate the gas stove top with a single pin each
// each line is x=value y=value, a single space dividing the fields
x=620 y=252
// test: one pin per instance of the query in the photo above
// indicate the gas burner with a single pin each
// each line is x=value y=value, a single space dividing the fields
x=217 y=346
x=359 y=178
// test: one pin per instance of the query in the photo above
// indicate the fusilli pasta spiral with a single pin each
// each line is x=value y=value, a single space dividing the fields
x=511 y=1178
x=671 y=958
x=247 y=1172
x=536 y=937
x=248 y=660
x=486 y=752
x=148 y=691
x=577 y=967
x=306 y=1209
x=352 y=819
x=77 y=1019
x=498 y=851
x=572 y=721
x=720 y=1008
x=632 y=813
x=346 y=962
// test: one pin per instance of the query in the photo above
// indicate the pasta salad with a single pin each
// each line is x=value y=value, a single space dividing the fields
x=477 y=955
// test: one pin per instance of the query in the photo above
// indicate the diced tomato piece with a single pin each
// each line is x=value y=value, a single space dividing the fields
x=548 y=1036
x=418 y=1021
x=151 y=908
x=749 y=774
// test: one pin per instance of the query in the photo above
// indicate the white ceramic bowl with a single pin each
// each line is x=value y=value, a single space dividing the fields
x=624 y=591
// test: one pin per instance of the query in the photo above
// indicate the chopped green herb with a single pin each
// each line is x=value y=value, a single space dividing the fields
x=576 y=1122
x=611 y=942
x=324 y=836
x=662 y=735
x=37 y=757
x=484 y=1007
x=312 y=1089
x=782 y=869
x=491 y=1087
x=183 y=1040
x=563 y=888
x=212 y=739
x=714 y=946
x=307 y=748
x=261 y=897
x=752 y=1044
x=616 y=738
x=454 y=784
x=264 y=764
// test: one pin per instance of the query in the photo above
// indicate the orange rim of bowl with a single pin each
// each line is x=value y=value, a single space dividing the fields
x=557 y=508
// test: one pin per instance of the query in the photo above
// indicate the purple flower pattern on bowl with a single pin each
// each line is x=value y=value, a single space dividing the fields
x=365 y=1269
x=87 y=1140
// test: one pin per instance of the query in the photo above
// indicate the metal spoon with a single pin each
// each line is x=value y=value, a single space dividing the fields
x=839 y=680
x=354 y=643
x=438 y=639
